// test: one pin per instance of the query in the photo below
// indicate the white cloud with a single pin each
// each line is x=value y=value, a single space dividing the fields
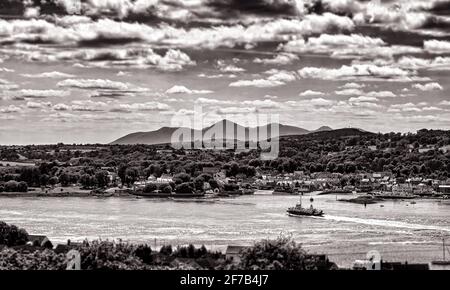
x=352 y=86
x=10 y=109
x=263 y=104
x=349 y=92
x=148 y=106
x=308 y=93
x=347 y=46
x=259 y=83
x=183 y=90
x=381 y=94
x=38 y=105
x=437 y=46
x=94 y=84
x=355 y=71
x=428 y=87
x=236 y=110
x=51 y=75
x=362 y=99
x=279 y=59
x=210 y=101
x=36 y=94
x=228 y=68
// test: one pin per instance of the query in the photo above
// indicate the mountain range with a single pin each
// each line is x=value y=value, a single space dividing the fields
x=164 y=134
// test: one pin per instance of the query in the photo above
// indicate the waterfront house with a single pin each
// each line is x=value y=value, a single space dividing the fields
x=211 y=170
x=233 y=253
x=165 y=178
x=444 y=188
x=39 y=241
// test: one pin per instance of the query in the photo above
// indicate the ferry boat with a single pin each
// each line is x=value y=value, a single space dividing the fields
x=299 y=210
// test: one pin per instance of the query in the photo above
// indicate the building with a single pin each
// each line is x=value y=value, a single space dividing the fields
x=165 y=178
x=444 y=188
x=233 y=253
x=211 y=170
x=39 y=241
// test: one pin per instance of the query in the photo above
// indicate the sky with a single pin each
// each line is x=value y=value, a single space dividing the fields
x=92 y=71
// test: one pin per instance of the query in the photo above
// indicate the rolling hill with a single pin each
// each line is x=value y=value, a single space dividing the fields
x=164 y=134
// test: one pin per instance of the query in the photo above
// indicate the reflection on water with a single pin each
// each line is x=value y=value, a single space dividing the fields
x=399 y=230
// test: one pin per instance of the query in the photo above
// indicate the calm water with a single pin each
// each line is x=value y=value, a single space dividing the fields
x=399 y=231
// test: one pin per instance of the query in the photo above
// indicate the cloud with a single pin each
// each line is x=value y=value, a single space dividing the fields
x=352 y=86
x=309 y=93
x=7 y=85
x=10 y=109
x=5 y=69
x=347 y=46
x=362 y=99
x=210 y=101
x=228 y=68
x=51 y=75
x=38 y=105
x=356 y=71
x=381 y=94
x=414 y=63
x=95 y=84
x=349 y=92
x=263 y=104
x=183 y=90
x=236 y=110
x=35 y=94
x=148 y=106
x=437 y=46
x=259 y=83
x=445 y=103
x=279 y=59
x=428 y=87
x=276 y=78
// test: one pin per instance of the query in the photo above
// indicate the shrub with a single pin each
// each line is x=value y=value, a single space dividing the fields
x=279 y=254
x=186 y=187
x=144 y=252
x=150 y=188
x=166 y=250
x=39 y=260
x=10 y=235
x=105 y=255
x=166 y=189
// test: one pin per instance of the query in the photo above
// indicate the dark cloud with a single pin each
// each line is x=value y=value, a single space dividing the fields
x=260 y=7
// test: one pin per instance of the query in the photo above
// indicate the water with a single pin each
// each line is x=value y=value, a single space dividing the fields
x=400 y=231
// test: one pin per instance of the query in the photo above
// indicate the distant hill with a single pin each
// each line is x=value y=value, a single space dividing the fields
x=338 y=133
x=164 y=134
x=323 y=128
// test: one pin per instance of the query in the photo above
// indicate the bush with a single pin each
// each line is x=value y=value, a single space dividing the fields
x=104 y=255
x=166 y=189
x=166 y=250
x=10 y=235
x=280 y=254
x=187 y=187
x=39 y=260
x=150 y=188
x=144 y=252
x=14 y=186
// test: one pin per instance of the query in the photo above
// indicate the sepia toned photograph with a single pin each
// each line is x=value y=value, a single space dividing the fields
x=225 y=135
